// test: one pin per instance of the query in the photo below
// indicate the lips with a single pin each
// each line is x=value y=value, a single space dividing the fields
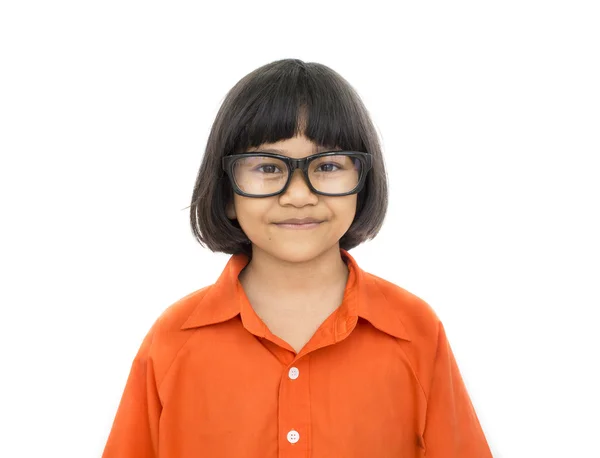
x=300 y=221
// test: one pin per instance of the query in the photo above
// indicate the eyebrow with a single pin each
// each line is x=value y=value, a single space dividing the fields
x=320 y=149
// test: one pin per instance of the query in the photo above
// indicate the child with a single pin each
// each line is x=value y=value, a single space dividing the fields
x=294 y=351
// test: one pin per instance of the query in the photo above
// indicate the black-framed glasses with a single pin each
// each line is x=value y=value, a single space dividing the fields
x=331 y=173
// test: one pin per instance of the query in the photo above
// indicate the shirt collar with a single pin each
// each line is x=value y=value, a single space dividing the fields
x=364 y=297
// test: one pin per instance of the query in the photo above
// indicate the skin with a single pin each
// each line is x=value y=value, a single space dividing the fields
x=294 y=274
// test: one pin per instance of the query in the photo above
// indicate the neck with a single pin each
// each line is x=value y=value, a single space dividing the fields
x=268 y=276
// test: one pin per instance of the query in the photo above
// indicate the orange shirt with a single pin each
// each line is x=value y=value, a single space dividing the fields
x=377 y=380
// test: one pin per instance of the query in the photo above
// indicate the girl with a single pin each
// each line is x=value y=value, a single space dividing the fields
x=294 y=351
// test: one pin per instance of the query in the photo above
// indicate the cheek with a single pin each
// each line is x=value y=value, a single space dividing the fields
x=251 y=211
x=344 y=208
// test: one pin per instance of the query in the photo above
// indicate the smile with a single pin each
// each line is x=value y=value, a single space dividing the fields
x=298 y=226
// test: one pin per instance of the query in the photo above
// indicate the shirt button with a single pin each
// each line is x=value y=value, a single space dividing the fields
x=293 y=437
x=294 y=373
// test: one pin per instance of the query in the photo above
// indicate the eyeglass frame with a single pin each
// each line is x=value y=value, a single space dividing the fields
x=302 y=164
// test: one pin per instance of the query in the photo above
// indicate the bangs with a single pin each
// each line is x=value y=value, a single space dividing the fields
x=301 y=99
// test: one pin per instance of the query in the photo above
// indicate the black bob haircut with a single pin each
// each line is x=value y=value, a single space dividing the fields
x=275 y=102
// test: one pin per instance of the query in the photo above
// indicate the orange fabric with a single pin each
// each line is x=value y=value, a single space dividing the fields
x=377 y=380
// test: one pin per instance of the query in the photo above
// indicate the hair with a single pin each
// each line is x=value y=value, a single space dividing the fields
x=275 y=102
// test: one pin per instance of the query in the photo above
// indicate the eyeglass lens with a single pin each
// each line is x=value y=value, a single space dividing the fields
x=261 y=175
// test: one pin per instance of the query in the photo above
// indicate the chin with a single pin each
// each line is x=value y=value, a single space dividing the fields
x=296 y=252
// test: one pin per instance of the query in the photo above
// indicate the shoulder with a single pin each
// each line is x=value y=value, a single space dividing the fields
x=411 y=314
x=166 y=337
x=418 y=317
x=420 y=323
x=175 y=315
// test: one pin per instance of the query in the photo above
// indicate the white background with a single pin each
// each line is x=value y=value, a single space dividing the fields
x=489 y=114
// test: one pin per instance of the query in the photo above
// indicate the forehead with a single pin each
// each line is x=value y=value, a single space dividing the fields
x=296 y=147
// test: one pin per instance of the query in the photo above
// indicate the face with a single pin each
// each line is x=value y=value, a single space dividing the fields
x=259 y=218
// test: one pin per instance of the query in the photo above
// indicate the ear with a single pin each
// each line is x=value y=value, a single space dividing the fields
x=230 y=210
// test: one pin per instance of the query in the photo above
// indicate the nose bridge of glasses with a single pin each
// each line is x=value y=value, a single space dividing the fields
x=298 y=174
x=297 y=164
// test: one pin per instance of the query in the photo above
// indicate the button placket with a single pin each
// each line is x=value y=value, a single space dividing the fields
x=294 y=410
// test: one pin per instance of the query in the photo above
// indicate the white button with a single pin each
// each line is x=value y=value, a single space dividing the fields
x=294 y=373
x=293 y=437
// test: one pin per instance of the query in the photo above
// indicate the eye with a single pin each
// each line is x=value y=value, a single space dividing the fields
x=268 y=168
x=328 y=167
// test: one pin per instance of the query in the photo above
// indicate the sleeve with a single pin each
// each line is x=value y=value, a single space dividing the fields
x=134 y=433
x=452 y=429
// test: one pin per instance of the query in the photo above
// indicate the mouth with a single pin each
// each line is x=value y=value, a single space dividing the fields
x=299 y=224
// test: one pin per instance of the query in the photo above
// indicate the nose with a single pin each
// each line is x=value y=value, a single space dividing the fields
x=298 y=193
